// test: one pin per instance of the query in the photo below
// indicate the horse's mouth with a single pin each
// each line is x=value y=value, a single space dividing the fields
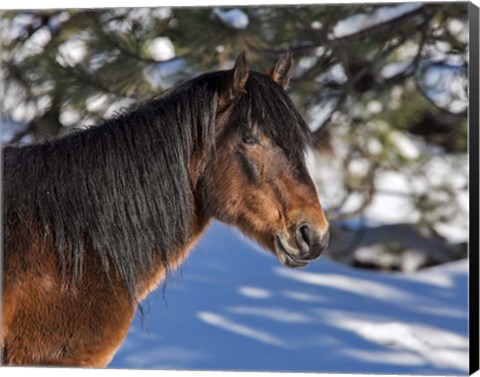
x=285 y=255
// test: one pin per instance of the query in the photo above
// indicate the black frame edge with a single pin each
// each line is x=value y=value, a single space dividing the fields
x=473 y=18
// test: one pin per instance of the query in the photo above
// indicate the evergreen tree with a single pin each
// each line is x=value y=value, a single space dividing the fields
x=382 y=86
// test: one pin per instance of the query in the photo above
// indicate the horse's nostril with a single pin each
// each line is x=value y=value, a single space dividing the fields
x=306 y=234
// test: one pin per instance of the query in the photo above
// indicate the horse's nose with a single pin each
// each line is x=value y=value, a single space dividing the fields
x=311 y=242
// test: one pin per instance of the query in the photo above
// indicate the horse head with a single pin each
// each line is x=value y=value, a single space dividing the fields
x=256 y=179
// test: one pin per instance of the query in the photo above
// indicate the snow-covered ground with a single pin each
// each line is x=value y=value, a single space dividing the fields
x=232 y=306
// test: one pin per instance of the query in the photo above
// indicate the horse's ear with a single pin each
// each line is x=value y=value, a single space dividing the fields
x=235 y=81
x=282 y=69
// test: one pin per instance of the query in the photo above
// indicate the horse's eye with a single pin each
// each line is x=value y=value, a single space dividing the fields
x=249 y=139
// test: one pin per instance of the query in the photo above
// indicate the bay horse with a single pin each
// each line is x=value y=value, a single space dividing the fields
x=95 y=220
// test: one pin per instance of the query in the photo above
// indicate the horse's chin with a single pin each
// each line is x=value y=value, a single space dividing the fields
x=285 y=256
x=288 y=261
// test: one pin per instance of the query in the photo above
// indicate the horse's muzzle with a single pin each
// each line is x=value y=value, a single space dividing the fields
x=308 y=245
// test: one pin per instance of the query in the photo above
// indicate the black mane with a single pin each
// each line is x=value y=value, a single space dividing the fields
x=122 y=188
x=267 y=105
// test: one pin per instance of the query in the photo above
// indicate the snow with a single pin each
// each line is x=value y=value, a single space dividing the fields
x=446 y=85
x=318 y=114
x=405 y=145
x=304 y=63
x=168 y=73
x=72 y=51
x=57 y=20
x=395 y=188
x=359 y=22
x=234 y=18
x=374 y=107
x=96 y=102
x=9 y=128
x=234 y=307
x=316 y=25
x=431 y=174
x=98 y=60
x=146 y=17
x=69 y=116
x=392 y=69
x=161 y=48
x=15 y=27
x=459 y=29
x=335 y=74
x=33 y=45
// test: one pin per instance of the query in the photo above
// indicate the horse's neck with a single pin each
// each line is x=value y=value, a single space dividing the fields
x=199 y=224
